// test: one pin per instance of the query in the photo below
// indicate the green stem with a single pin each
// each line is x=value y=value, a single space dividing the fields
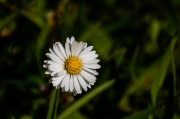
x=56 y=105
x=173 y=63
x=174 y=73
x=52 y=111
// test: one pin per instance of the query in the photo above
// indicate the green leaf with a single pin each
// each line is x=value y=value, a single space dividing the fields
x=76 y=105
x=142 y=114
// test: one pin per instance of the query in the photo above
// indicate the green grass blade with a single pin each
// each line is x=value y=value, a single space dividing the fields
x=173 y=65
x=142 y=114
x=159 y=77
x=170 y=103
x=57 y=103
x=85 y=99
x=161 y=72
x=52 y=103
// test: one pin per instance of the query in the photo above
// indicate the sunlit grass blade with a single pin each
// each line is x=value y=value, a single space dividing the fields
x=158 y=79
x=52 y=103
x=76 y=105
x=142 y=114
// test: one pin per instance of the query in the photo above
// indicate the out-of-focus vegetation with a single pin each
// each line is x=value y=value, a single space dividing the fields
x=138 y=43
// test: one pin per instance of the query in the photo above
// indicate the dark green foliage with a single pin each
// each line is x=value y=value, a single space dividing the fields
x=139 y=51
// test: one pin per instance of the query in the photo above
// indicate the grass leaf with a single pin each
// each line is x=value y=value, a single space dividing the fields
x=142 y=114
x=85 y=99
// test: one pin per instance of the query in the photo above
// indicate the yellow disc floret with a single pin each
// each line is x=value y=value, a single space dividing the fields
x=73 y=65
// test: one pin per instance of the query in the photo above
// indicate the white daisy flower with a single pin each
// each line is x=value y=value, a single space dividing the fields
x=72 y=68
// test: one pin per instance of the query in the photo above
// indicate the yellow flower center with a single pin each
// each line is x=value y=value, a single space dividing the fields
x=73 y=65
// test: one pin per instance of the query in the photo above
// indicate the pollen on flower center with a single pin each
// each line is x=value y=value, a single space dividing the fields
x=73 y=65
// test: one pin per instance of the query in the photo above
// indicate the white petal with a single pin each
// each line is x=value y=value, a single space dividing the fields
x=61 y=73
x=45 y=65
x=92 y=66
x=88 y=77
x=67 y=48
x=76 y=85
x=68 y=40
x=61 y=48
x=82 y=82
x=85 y=45
x=91 y=57
x=89 y=54
x=54 y=58
x=94 y=72
x=56 y=69
x=53 y=73
x=55 y=63
x=72 y=39
x=59 y=78
x=80 y=47
x=55 y=82
x=58 y=52
x=92 y=61
x=48 y=72
x=65 y=80
x=74 y=47
x=71 y=84
x=52 y=51
x=85 y=51
x=67 y=85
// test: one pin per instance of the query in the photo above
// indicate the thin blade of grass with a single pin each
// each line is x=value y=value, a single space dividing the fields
x=142 y=114
x=160 y=75
x=57 y=103
x=85 y=99
x=52 y=103
x=170 y=103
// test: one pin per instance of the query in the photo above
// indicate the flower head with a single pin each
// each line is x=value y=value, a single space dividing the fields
x=72 y=68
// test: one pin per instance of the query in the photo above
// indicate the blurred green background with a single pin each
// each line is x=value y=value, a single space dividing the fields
x=138 y=44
